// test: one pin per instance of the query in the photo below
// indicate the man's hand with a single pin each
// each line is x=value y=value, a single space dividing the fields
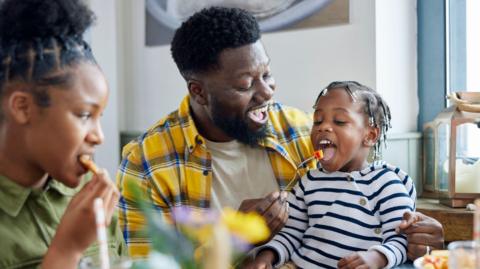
x=274 y=208
x=421 y=231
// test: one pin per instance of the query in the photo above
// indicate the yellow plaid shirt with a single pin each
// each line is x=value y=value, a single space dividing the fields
x=171 y=163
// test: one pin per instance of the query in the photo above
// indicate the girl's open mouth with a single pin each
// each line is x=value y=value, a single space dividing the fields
x=329 y=149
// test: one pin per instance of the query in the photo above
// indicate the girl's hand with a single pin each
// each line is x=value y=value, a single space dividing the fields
x=264 y=260
x=77 y=228
x=363 y=260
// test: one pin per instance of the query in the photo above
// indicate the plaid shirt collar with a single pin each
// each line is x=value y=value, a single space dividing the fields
x=194 y=139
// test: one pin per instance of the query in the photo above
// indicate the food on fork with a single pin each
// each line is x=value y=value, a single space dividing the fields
x=87 y=161
x=318 y=154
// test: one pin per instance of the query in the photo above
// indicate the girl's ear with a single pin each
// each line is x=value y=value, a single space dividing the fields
x=371 y=136
x=197 y=91
x=20 y=106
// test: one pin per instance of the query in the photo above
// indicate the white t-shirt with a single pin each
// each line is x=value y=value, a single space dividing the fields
x=239 y=172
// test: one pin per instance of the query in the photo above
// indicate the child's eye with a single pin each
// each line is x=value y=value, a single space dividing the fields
x=318 y=122
x=84 y=115
x=243 y=89
x=340 y=122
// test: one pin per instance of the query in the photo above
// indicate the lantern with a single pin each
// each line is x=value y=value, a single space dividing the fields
x=451 y=152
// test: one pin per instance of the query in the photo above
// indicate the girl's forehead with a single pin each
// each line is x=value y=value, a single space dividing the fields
x=87 y=84
x=336 y=95
x=339 y=99
x=341 y=90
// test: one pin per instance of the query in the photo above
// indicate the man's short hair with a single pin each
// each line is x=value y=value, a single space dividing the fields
x=198 y=42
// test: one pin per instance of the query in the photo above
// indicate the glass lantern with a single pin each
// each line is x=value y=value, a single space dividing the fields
x=451 y=152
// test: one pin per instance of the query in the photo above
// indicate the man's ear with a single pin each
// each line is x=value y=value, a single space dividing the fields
x=197 y=91
x=371 y=136
x=20 y=106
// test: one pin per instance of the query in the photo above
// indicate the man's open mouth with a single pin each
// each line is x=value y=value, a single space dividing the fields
x=259 y=114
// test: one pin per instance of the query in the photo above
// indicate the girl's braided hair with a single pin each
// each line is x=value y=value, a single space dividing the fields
x=39 y=38
x=375 y=108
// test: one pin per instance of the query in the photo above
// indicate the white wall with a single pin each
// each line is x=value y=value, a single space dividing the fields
x=152 y=85
x=102 y=38
x=377 y=48
x=396 y=60
x=303 y=62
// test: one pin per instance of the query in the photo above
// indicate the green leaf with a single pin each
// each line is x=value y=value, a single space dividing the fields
x=165 y=238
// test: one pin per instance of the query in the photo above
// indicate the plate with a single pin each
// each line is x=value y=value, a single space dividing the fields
x=418 y=263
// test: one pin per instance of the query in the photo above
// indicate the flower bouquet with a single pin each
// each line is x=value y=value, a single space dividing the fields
x=198 y=238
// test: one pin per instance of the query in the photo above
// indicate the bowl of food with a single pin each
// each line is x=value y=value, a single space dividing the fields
x=437 y=259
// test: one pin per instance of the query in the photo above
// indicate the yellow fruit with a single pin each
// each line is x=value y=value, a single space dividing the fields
x=428 y=266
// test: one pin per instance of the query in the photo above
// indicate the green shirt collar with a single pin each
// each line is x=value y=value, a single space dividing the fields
x=13 y=196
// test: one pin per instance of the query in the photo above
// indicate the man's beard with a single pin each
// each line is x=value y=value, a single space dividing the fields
x=237 y=128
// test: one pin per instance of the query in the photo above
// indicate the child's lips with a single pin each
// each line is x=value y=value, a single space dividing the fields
x=81 y=169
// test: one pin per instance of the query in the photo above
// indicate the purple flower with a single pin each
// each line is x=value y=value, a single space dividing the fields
x=194 y=217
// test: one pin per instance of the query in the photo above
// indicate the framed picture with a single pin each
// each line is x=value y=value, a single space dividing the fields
x=164 y=16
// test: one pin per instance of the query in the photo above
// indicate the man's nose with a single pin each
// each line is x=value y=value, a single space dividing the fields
x=264 y=90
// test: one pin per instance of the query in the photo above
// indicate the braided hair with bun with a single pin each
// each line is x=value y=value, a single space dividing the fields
x=39 y=39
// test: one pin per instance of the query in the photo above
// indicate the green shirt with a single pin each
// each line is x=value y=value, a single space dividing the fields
x=29 y=218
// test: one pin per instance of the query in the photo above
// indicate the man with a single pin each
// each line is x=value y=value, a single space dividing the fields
x=228 y=142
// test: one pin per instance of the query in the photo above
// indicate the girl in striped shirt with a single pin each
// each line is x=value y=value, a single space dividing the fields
x=344 y=214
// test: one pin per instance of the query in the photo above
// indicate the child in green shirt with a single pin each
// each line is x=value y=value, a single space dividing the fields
x=52 y=96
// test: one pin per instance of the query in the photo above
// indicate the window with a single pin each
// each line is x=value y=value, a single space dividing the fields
x=463 y=66
x=473 y=45
x=463 y=45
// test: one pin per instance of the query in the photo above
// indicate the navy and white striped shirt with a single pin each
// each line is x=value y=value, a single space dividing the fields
x=332 y=215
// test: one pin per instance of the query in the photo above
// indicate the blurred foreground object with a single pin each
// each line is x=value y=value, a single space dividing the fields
x=200 y=238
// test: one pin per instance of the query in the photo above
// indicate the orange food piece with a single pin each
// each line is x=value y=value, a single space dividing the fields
x=435 y=262
x=318 y=154
x=88 y=163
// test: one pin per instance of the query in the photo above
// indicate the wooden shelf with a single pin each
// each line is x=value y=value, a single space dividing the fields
x=457 y=222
